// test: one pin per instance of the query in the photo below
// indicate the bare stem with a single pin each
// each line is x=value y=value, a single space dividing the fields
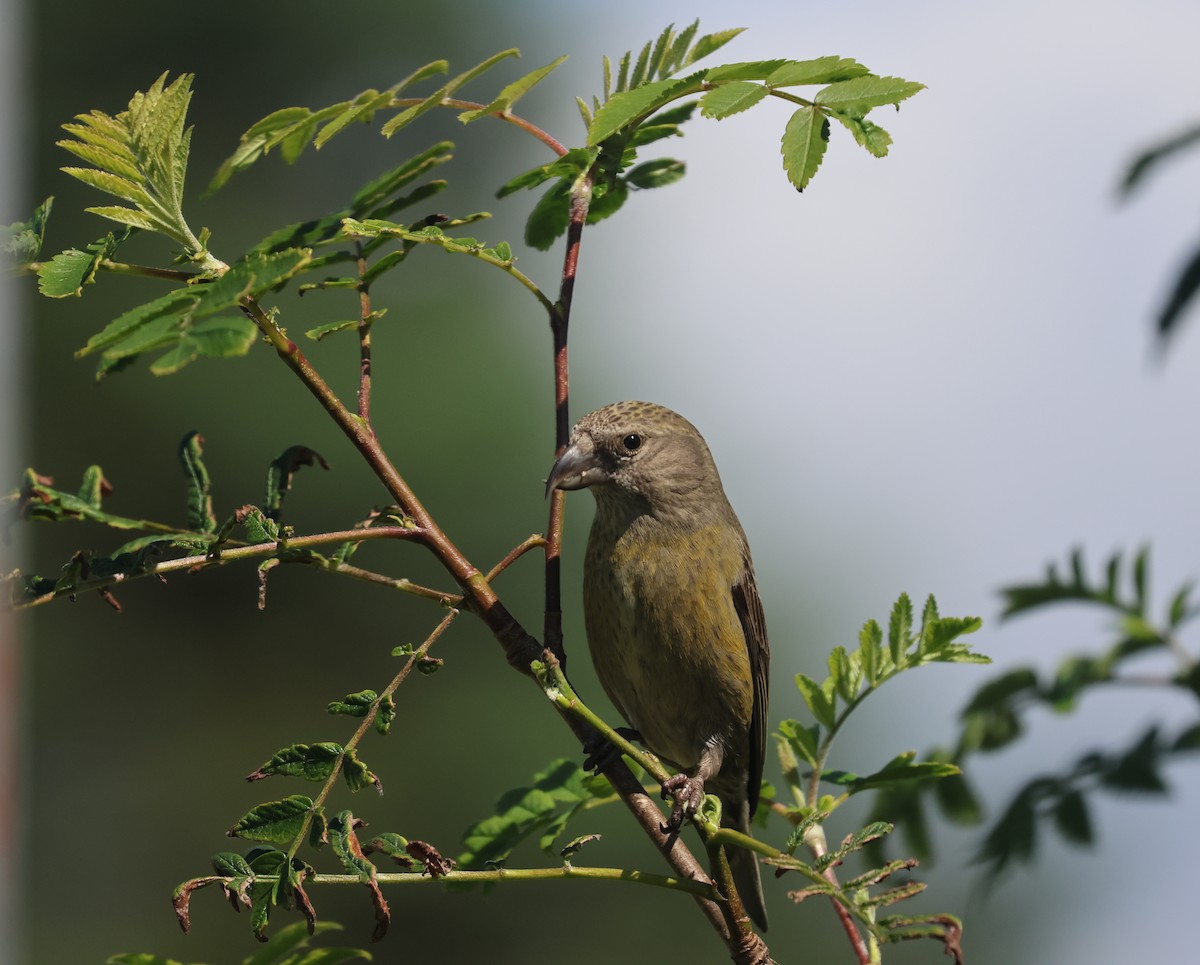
x=581 y=197
x=364 y=336
x=530 y=543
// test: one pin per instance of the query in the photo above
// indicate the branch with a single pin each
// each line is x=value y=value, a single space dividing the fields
x=280 y=549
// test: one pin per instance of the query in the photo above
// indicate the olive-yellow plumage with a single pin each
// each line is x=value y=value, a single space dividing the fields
x=673 y=617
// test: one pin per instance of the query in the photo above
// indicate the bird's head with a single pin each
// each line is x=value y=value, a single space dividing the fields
x=638 y=454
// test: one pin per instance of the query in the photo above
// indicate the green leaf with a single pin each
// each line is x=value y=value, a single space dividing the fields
x=710 y=44
x=804 y=740
x=141 y=156
x=354 y=705
x=804 y=141
x=748 y=70
x=23 y=239
x=278 y=822
x=282 y=471
x=821 y=706
x=199 y=487
x=357 y=775
x=625 y=108
x=1150 y=159
x=924 y=770
x=524 y=811
x=406 y=117
x=731 y=98
x=900 y=630
x=311 y=762
x=957 y=801
x=657 y=173
x=867 y=134
x=859 y=95
x=387 y=184
x=823 y=70
x=361 y=109
x=512 y=93
x=549 y=218
x=66 y=273
x=1072 y=819
x=870 y=651
x=1002 y=690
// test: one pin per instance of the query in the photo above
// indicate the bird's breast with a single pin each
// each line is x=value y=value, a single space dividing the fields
x=664 y=634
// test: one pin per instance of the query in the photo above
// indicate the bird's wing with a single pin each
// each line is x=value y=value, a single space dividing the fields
x=754 y=626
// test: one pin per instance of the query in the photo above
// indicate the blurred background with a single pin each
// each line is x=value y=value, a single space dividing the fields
x=929 y=373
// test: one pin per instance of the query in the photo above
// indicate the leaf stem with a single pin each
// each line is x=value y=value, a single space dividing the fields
x=367 y=722
x=527 y=126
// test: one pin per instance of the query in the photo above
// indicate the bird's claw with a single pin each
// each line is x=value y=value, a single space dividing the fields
x=688 y=793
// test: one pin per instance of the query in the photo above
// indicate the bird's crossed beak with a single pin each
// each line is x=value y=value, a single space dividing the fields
x=576 y=468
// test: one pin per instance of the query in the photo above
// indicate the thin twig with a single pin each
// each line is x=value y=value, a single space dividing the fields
x=364 y=336
x=234 y=551
x=530 y=543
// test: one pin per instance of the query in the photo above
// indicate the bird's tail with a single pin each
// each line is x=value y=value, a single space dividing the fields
x=744 y=866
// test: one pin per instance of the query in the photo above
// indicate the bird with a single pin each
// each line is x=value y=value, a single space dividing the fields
x=673 y=617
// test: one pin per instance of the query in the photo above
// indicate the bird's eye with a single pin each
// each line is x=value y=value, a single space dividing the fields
x=632 y=442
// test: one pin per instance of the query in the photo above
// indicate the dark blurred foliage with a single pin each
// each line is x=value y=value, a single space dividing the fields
x=1182 y=293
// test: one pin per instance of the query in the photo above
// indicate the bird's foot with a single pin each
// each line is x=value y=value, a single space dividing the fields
x=688 y=793
x=600 y=752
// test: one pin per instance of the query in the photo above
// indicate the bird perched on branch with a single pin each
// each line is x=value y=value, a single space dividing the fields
x=674 y=621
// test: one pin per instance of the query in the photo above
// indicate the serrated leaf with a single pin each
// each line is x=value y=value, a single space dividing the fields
x=821 y=706
x=318 y=333
x=125 y=216
x=867 y=134
x=624 y=108
x=870 y=651
x=512 y=93
x=803 y=739
x=859 y=95
x=731 y=98
x=199 y=487
x=361 y=109
x=311 y=762
x=66 y=273
x=822 y=70
x=278 y=822
x=113 y=184
x=804 y=142
x=23 y=239
x=900 y=630
x=357 y=775
x=710 y=44
x=747 y=70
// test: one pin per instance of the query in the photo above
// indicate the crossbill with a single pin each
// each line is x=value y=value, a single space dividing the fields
x=673 y=617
